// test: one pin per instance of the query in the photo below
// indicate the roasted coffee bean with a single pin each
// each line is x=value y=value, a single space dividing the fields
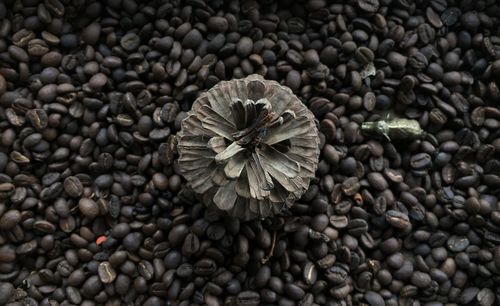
x=248 y=298
x=22 y=37
x=364 y=55
x=73 y=186
x=217 y=24
x=310 y=273
x=97 y=81
x=37 y=47
x=339 y=221
x=192 y=39
x=485 y=297
x=7 y=291
x=91 y=287
x=244 y=46
x=3 y=85
x=130 y=42
x=457 y=243
x=146 y=270
x=9 y=219
x=397 y=219
x=369 y=6
x=132 y=241
x=88 y=208
x=351 y=186
x=38 y=118
x=357 y=227
x=90 y=34
x=262 y=276
x=191 y=245
x=204 y=267
x=294 y=292
x=421 y=161
x=336 y=274
x=106 y=273
x=377 y=181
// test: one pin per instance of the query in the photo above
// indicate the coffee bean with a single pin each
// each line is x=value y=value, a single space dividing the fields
x=8 y=254
x=88 y=208
x=421 y=161
x=351 y=186
x=397 y=219
x=73 y=187
x=248 y=298
x=146 y=270
x=369 y=6
x=106 y=273
x=191 y=245
x=132 y=241
x=377 y=181
x=37 y=47
x=364 y=55
x=7 y=291
x=244 y=47
x=3 y=85
x=457 y=243
x=73 y=295
x=217 y=24
x=357 y=227
x=38 y=118
x=192 y=39
x=22 y=37
x=262 y=276
x=130 y=42
x=339 y=221
x=328 y=128
x=44 y=226
x=97 y=81
x=485 y=297
x=18 y=53
x=9 y=219
x=91 y=33
x=91 y=287
x=177 y=234
x=337 y=275
x=204 y=267
x=310 y=273
x=294 y=292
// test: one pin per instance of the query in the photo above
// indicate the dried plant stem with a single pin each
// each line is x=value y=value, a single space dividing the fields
x=266 y=258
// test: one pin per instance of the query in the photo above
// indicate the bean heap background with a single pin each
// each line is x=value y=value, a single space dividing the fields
x=94 y=212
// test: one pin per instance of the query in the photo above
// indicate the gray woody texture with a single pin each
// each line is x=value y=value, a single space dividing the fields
x=249 y=146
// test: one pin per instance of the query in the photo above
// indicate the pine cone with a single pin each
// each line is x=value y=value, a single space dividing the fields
x=249 y=146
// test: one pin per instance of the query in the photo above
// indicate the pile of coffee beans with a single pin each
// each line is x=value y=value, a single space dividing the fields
x=93 y=210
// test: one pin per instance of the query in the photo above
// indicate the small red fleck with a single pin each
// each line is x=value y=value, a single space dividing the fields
x=100 y=240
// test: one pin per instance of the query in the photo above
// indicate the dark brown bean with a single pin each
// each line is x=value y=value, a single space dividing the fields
x=88 y=208
x=106 y=273
x=73 y=186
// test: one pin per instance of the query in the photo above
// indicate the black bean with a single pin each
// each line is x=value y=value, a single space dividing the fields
x=192 y=39
x=377 y=181
x=248 y=298
x=369 y=6
x=91 y=287
x=7 y=291
x=130 y=42
x=9 y=219
x=88 y=208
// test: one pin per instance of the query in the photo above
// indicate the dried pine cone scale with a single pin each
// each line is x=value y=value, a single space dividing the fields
x=249 y=146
